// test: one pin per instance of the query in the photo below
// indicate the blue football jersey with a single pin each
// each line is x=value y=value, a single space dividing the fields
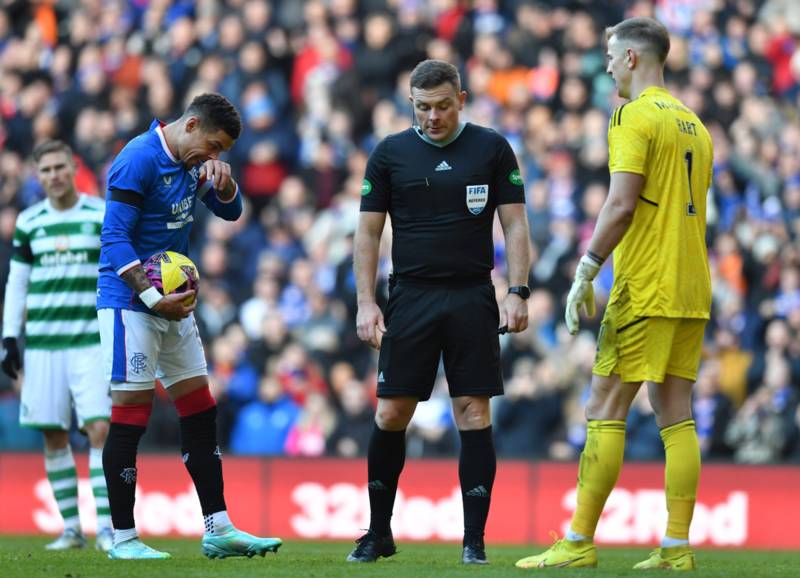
x=156 y=215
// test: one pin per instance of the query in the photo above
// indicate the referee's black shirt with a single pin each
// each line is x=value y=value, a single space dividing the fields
x=441 y=200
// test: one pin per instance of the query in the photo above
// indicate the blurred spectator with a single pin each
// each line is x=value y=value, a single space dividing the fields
x=712 y=411
x=529 y=413
x=263 y=425
x=763 y=427
x=314 y=425
x=642 y=439
x=354 y=422
x=432 y=431
x=320 y=83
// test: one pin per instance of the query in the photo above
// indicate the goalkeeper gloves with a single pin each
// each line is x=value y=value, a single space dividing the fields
x=11 y=363
x=582 y=292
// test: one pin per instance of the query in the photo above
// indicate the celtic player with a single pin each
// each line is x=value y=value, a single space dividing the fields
x=54 y=275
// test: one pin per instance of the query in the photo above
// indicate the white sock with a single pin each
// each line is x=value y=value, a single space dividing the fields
x=575 y=537
x=667 y=542
x=216 y=522
x=121 y=536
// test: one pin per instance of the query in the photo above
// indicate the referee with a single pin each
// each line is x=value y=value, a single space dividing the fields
x=440 y=181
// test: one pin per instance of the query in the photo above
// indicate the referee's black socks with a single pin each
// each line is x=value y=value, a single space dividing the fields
x=128 y=424
x=477 y=465
x=201 y=455
x=385 y=459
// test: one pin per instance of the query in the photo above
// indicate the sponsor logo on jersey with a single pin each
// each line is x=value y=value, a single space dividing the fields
x=514 y=177
x=366 y=188
x=443 y=166
x=477 y=197
x=183 y=206
x=167 y=180
x=64 y=258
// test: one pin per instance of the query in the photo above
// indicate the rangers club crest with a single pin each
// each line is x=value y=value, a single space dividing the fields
x=477 y=197
x=128 y=475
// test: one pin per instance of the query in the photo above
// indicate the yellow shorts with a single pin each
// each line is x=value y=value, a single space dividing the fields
x=647 y=348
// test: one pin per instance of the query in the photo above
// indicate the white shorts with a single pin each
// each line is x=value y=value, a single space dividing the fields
x=139 y=348
x=55 y=380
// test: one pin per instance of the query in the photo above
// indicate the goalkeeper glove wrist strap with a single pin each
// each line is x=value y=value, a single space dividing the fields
x=595 y=257
x=150 y=297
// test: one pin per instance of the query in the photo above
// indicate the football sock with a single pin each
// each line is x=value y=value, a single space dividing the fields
x=667 y=542
x=60 y=468
x=385 y=459
x=201 y=455
x=600 y=464
x=477 y=465
x=573 y=536
x=216 y=523
x=121 y=536
x=682 y=474
x=98 y=481
x=128 y=424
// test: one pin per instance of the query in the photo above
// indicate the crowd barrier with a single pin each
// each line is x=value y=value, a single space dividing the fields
x=326 y=499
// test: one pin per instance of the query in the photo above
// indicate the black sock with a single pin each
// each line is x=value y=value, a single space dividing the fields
x=119 y=467
x=477 y=465
x=385 y=459
x=202 y=458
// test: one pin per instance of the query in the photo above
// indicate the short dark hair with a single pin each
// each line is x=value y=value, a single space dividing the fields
x=432 y=73
x=216 y=112
x=645 y=31
x=51 y=146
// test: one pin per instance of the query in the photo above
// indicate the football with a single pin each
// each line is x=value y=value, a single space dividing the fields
x=171 y=272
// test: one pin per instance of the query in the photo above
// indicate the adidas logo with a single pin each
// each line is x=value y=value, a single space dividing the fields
x=380 y=378
x=377 y=485
x=479 y=492
x=39 y=233
x=443 y=166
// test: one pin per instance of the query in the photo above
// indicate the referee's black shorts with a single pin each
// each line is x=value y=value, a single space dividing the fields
x=424 y=321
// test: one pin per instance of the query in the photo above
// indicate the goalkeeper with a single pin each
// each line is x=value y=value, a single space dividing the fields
x=660 y=160
x=152 y=187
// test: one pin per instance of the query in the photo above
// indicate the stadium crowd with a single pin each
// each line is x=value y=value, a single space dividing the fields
x=319 y=83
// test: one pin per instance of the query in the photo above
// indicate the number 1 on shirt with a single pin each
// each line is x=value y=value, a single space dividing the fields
x=690 y=208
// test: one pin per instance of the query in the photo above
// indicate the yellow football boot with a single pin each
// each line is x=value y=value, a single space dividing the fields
x=563 y=554
x=676 y=558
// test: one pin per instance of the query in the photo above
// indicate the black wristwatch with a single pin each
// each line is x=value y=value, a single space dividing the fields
x=522 y=290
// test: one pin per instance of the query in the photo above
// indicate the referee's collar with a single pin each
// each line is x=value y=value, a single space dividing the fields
x=421 y=134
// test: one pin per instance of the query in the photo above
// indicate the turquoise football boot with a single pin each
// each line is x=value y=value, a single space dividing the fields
x=232 y=542
x=135 y=549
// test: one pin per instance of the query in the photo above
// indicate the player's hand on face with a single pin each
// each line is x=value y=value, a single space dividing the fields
x=514 y=314
x=172 y=306
x=12 y=362
x=219 y=174
x=369 y=324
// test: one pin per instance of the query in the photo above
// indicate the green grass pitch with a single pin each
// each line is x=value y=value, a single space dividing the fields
x=24 y=557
